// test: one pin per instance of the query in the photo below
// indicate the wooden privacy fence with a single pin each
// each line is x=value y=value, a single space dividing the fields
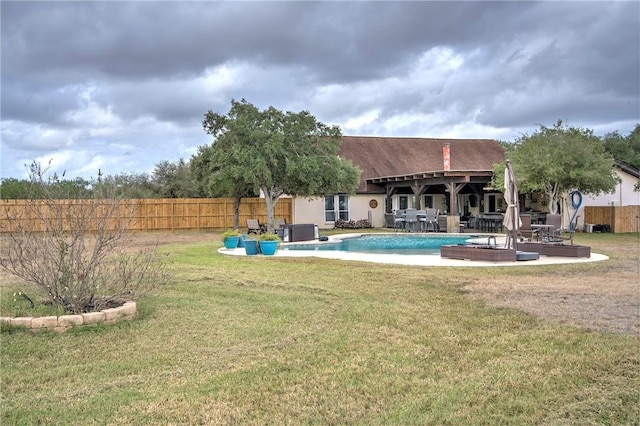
x=620 y=218
x=164 y=214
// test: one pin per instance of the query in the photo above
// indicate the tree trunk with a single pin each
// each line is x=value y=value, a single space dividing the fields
x=271 y=198
x=236 y=212
x=552 y=195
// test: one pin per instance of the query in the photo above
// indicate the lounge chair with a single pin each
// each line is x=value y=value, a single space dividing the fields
x=254 y=227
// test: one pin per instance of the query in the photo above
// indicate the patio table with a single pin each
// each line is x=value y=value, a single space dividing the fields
x=544 y=231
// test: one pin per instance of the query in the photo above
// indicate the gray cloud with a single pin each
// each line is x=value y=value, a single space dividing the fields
x=93 y=77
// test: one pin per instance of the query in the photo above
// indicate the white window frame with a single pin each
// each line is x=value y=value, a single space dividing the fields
x=339 y=208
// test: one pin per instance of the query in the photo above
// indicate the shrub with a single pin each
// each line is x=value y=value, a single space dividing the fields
x=267 y=236
x=231 y=233
x=73 y=254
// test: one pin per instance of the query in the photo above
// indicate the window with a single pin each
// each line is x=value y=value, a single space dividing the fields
x=329 y=208
x=492 y=204
x=336 y=207
x=428 y=202
x=343 y=207
x=403 y=202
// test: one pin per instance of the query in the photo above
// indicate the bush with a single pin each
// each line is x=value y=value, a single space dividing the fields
x=72 y=253
x=231 y=233
x=268 y=236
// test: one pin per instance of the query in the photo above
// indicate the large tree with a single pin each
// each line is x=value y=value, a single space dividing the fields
x=624 y=148
x=278 y=153
x=556 y=160
x=206 y=171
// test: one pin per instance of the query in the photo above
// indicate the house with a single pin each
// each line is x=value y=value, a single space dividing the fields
x=452 y=175
x=625 y=193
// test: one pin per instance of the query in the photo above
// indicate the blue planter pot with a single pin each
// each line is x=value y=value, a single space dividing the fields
x=251 y=247
x=231 y=242
x=268 y=248
x=241 y=240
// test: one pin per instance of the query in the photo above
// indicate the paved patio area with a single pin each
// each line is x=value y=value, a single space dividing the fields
x=413 y=259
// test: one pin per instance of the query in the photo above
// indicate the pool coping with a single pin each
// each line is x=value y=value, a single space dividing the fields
x=411 y=259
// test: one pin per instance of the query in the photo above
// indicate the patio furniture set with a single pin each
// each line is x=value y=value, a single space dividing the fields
x=546 y=239
x=415 y=220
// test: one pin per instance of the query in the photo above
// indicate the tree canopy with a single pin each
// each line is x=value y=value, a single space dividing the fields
x=276 y=153
x=175 y=180
x=624 y=148
x=205 y=169
x=556 y=160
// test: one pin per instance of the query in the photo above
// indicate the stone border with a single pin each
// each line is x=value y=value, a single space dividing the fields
x=63 y=323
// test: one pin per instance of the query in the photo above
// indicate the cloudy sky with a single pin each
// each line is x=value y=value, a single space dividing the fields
x=121 y=86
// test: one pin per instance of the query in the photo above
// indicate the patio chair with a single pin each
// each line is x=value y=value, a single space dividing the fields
x=431 y=219
x=411 y=220
x=389 y=221
x=399 y=219
x=422 y=215
x=557 y=232
x=254 y=227
x=278 y=222
x=442 y=222
x=526 y=232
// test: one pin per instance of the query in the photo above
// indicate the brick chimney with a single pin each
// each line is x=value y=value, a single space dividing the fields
x=446 y=156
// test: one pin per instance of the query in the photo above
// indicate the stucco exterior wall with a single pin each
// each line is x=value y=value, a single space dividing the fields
x=361 y=205
x=311 y=210
x=624 y=195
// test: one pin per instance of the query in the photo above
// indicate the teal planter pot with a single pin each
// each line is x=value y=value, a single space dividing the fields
x=268 y=248
x=251 y=247
x=231 y=242
x=241 y=240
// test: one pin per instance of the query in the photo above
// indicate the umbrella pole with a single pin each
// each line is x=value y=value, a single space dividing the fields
x=514 y=230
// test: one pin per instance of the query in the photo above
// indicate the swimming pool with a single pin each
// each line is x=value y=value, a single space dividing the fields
x=386 y=243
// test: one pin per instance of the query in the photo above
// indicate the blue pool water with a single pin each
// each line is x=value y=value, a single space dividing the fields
x=387 y=243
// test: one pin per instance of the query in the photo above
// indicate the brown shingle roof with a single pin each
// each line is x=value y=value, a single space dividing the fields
x=389 y=156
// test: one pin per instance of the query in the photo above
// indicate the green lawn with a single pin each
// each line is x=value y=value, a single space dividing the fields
x=310 y=341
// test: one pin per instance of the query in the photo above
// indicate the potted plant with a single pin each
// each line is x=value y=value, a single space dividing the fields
x=230 y=238
x=251 y=245
x=269 y=243
x=242 y=239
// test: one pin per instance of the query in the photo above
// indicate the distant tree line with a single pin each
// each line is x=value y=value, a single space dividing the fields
x=168 y=180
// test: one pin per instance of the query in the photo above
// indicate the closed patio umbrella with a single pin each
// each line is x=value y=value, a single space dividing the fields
x=511 y=217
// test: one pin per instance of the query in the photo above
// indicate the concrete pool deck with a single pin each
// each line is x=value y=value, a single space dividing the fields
x=412 y=259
